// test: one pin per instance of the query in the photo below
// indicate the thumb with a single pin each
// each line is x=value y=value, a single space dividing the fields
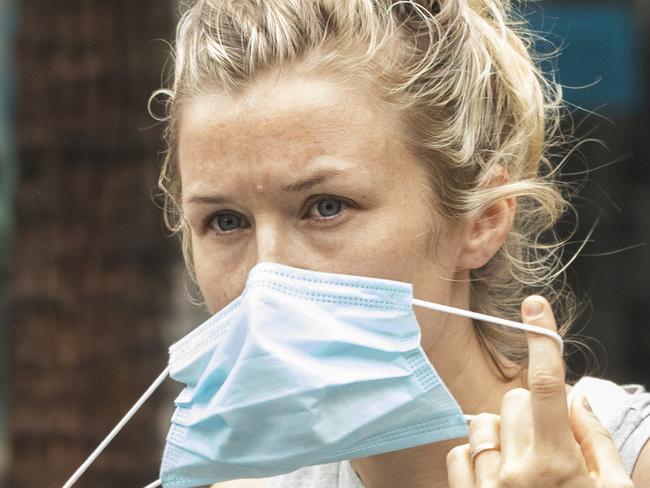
x=597 y=446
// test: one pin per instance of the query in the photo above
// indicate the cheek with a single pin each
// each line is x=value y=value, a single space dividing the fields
x=208 y=286
x=219 y=280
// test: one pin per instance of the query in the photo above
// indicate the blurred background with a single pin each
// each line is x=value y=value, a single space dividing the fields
x=92 y=291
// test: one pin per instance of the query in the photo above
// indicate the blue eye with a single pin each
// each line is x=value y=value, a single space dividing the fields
x=328 y=207
x=226 y=222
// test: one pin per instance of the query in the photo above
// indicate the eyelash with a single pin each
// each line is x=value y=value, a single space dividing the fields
x=345 y=205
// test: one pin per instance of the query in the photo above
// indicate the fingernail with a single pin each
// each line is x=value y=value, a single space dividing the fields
x=533 y=308
x=585 y=403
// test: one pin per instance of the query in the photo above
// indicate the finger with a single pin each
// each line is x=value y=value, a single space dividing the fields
x=460 y=473
x=598 y=448
x=483 y=431
x=517 y=432
x=546 y=377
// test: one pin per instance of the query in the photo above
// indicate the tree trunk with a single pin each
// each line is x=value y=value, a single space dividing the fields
x=90 y=265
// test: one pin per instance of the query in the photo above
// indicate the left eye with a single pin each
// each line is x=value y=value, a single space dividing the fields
x=326 y=207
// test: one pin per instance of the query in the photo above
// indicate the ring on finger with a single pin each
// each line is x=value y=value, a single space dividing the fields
x=485 y=446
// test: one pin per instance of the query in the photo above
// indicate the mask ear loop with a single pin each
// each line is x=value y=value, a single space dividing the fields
x=495 y=320
x=145 y=396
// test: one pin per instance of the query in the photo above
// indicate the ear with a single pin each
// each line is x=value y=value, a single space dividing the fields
x=485 y=235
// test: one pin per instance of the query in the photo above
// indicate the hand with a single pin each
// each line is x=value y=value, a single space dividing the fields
x=536 y=443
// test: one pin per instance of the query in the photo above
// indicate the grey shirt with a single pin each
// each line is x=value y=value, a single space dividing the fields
x=623 y=410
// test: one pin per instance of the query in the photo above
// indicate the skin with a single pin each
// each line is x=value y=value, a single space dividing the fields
x=542 y=443
x=258 y=170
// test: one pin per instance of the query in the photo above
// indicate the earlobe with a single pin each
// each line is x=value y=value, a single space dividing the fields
x=487 y=234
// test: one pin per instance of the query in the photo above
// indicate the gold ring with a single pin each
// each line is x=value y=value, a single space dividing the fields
x=486 y=446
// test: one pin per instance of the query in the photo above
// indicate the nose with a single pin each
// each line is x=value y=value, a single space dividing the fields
x=276 y=241
x=273 y=243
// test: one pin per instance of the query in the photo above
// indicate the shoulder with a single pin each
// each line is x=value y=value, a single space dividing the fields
x=624 y=411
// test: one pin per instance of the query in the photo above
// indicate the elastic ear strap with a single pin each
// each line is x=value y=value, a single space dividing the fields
x=81 y=469
x=495 y=320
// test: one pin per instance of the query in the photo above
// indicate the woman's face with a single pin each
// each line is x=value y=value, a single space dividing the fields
x=306 y=173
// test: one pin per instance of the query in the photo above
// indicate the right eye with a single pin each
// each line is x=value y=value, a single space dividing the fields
x=227 y=222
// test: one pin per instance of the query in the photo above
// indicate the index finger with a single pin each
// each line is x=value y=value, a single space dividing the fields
x=546 y=377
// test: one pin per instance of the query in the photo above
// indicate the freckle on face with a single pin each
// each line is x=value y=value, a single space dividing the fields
x=250 y=152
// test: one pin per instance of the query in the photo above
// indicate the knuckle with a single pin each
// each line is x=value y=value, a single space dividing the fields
x=546 y=385
x=457 y=454
x=488 y=483
x=481 y=421
x=484 y=417
x=511 y=476
x=557 y=466
x=516 y=395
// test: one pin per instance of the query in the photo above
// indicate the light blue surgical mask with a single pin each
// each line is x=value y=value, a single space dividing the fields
x=303 y=368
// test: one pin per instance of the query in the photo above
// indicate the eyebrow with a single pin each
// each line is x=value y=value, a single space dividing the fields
x=295 y=187
x=313 y=180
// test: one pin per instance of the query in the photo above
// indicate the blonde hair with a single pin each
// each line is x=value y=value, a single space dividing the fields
x=470 y=97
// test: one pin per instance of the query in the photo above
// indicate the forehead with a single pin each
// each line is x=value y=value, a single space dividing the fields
x=284 y=121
